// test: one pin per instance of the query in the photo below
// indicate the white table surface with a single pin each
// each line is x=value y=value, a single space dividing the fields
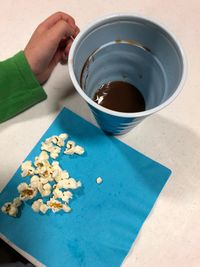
x=171 y=234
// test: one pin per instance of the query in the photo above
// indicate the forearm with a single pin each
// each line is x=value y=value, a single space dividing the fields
x=19 y=89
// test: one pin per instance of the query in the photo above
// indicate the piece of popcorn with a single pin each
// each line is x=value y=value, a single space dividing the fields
x=40 y=164
x=63 y=136
x=27 y=169
x=46 y=173
x=79 y=150
x=57 y=193
x=45 y=190
x=70 y=183
x=43 y=156
x=99 y=180
x=44 y=208
x=26 y=165
x=43 y=170
x=54 y=205
x=47 y=146
x=70 y=144
x=45 y=193
x=26 y=192
x=67 y=195
x=21 y=187
x=10 y=209
x=66 y=208
x=35 y=178
x=43 y=167
x=55 y=152
x=59 y=140
x=36 y=205
x=34 y=181
x=47 y=186
x=70 y=148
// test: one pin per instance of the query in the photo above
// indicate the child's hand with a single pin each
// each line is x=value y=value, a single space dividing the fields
x=50 y=44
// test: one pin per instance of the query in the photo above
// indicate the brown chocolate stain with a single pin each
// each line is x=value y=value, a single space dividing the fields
x=120 y=96
x=133 y=42
x=86 y=67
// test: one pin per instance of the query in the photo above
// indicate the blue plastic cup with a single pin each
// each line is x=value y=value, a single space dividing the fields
x=133 y=49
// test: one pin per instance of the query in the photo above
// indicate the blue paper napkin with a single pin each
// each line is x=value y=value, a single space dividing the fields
x=105 y=218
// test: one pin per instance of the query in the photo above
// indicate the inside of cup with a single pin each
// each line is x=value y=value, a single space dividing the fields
x=132 y=50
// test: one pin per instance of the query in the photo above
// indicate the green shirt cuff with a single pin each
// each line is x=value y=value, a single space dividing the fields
x=19 y=88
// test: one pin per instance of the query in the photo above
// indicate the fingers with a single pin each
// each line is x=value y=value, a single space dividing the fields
x=50 y=43
x=62 y=36
x=65 y=52
x=77 y=30
x=58 y=27
x=66 y=45
x=59 y=30
x=53 y=19
x=67 y=48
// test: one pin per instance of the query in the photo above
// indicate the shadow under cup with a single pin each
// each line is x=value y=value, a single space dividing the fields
x=130 y=49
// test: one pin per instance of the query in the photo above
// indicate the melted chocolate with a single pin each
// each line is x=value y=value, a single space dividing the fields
x=120 y=96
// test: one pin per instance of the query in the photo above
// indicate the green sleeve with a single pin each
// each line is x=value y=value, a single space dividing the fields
x=19 y=89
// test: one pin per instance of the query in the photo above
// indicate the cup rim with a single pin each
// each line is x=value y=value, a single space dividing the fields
x=98 y=22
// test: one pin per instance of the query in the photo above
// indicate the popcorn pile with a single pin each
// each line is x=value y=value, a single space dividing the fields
x=47 y=179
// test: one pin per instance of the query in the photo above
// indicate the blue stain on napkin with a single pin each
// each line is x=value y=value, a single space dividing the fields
x=105 y=218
